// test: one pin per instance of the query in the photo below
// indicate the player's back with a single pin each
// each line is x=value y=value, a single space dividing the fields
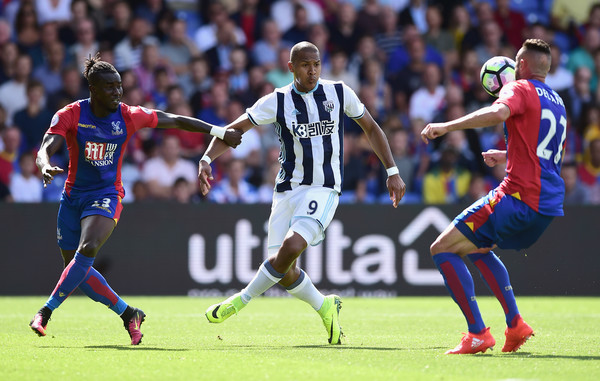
x=535 y=133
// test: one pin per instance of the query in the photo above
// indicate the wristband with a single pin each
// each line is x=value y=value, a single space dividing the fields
x=219 y=132
x=206 y=159
x=391 y=171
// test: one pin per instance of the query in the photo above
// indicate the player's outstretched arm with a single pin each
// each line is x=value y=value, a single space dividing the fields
x=50 y=144
x=230 y=136
x=215 y=149
x=381 y=147
x=484 y=117
x=493 y=157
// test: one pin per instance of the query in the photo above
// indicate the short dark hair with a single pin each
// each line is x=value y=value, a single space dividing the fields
x=301 y=46
x=537 y=45
x=94 y=66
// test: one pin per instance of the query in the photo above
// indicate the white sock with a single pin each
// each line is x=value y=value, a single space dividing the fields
x=305 y=290
x=265 y=278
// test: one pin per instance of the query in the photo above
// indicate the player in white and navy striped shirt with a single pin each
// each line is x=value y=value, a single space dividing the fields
x=309 y=119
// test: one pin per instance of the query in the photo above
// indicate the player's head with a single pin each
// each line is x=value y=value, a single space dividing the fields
x=305 y=63
x=533 y=59
x=104 y=83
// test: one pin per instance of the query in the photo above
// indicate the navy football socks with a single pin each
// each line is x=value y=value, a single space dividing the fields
x=495 y=275
x=97 y=289
x=459 y=283
x=71 y=277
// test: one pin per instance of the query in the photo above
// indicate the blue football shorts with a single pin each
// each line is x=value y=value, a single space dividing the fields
x=503 y=220
x=73 y=209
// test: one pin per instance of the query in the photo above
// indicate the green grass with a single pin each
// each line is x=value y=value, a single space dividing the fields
x=283 y=339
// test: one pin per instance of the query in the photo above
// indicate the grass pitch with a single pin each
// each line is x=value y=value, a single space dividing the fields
x=283 y=339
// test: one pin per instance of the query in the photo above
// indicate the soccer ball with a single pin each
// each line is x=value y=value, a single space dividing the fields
x=495 y=73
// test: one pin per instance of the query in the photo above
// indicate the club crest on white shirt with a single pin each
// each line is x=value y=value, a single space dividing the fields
x=328 y=105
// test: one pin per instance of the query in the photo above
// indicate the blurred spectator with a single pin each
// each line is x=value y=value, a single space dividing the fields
x=117 y=24
x=162 y=82
x=484 y=15
x=575 y=192
x=491 y=43
x=477 y=189
x=338 y=70
x=8 y=61
x=33 y=120
x=183 y=192
x=25 y=186
x=85 y=46
x=238 y=75
x=13 y=93
x=460 y=24
x=299 y=30
x=389 y=38
x=266 y=189
x=584 y=54
x=233 y=188
x=559 y=78
x=250 y=19
x=67 y=31
x=197 y=82
x=365 y=49
x=49 y=73
x=206 y=36
x=192 y=144
x=140 y=191
x=5 y=32
x=219 y=55
x=415 y=14
x=53 y=10
x=399 y=144
x=266 y=50
x=428 y=99
x=72 y=89
x=151 y=60
x=589 y=170
x=437 y=37
x=373 y=76
x=446 y=182
x=215 y=110
x=160 y=172
x=368 y=18
x=128 y=52
x=27 y=32
x=402 y=55
x=319 y=36
x=11 y=137
x=178 y=49
x=280 y=75
x=579 y=98
x=344 y=30
x=511 y=22
x=283 y=12
x=354 y=186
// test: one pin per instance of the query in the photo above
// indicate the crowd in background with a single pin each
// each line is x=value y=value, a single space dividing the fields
x=410 y=61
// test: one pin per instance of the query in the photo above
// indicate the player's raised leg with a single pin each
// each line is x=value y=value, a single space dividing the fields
x=446 y=251
x=496 y=277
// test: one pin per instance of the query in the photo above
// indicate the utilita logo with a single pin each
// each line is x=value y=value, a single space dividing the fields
x=339 y=261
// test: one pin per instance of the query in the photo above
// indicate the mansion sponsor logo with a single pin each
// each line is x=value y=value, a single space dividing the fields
x=100 y=154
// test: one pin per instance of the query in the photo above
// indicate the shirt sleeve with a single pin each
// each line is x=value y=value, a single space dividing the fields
x=140 y=117
x=512 y=95
x=264 y=111
x=61 y=122
x=353 y=107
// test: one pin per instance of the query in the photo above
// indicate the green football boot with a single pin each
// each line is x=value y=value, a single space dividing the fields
x=330 y=313
x=218 y=313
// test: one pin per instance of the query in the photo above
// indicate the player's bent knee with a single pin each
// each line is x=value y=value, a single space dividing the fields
x=309 y=229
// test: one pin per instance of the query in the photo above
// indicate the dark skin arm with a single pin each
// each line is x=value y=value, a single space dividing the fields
x=232 y=137
x=50 y=144
x=381 y=147
x=216 y=148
